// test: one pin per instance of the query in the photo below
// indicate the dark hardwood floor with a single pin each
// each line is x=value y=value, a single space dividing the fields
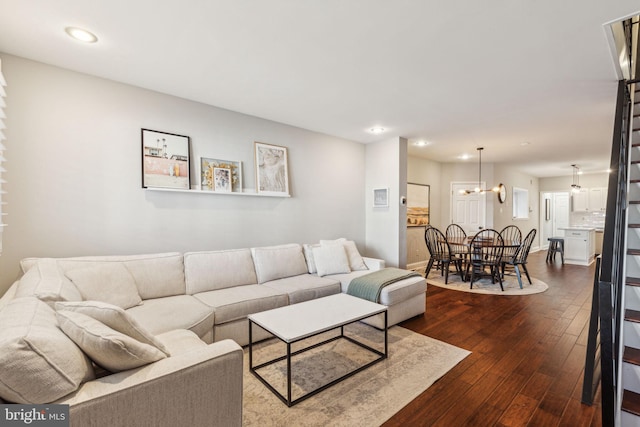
x=527 y=358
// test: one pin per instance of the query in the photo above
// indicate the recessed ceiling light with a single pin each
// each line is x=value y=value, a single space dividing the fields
x=377 y=130
x=421 y=143
x=525 y=143
x=464 y=156
x=81 y=35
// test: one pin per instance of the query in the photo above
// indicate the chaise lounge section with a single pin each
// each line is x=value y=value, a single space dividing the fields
x=195 y=304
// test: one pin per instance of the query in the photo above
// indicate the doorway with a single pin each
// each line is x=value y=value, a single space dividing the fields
x=468 y=210
x=554 y=217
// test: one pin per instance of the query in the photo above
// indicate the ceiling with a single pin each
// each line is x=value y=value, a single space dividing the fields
x=458 y=74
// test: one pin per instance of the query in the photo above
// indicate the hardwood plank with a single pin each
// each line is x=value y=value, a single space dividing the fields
x=521 y=409
x=527 y=360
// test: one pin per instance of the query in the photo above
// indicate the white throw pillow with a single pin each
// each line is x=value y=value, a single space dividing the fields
x=331 y=259
x=108 y=282
x=115 y=318
x=308 y=256
x=356 y=263
x=106 y=347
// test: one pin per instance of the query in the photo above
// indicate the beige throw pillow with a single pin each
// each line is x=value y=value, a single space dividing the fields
x=108 y=282
x=106 y=347
x=115 y=318
x=38 y=362
x=356 y=263
x=331 y=259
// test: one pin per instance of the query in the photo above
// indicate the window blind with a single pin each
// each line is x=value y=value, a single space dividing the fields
x=3 y=94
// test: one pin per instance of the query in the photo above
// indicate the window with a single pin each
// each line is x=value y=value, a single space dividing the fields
x=520 y=203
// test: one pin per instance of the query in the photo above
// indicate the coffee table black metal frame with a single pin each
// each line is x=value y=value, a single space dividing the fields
x=288 y=398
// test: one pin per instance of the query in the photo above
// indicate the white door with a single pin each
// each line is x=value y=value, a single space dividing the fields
x=468 y=211
x=560 y=213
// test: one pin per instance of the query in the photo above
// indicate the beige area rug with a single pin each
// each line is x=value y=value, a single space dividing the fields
x=484 y=285
x=368 y=398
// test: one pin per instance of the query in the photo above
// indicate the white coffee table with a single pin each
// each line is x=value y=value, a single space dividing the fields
x=297 y=322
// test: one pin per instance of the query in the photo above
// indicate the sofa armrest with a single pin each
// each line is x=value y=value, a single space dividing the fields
x=202 y=387
x=374 y=263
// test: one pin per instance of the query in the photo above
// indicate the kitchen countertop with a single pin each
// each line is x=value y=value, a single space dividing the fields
x=579 y=228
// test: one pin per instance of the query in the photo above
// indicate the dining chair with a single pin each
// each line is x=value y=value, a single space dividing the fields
x=520 y=258
x=440 y=252
x=512 y=237
x=485 y=250
x=456 y=237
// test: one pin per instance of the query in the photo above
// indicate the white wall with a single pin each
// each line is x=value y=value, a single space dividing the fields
x=74 y=174
x=386 y=165
x=503 y=212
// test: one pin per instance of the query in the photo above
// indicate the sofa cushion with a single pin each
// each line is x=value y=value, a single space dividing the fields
x=45 y=281
x=305 y=287
x=106 y=347
x=391 y=294
x=115 y=318
x=208 y=271
x=156 y=275
x=356 y=262
x=181 y=341
x=160 y=315
x=331 y=259
x=108 y=282
x=276 y=262
x=38 y=362
x=236 y=303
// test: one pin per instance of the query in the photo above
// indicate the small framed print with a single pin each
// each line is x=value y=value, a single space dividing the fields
x=222 y=179
x=380 y=197
x=272 y=173
x=165 y=160
x=207 y=166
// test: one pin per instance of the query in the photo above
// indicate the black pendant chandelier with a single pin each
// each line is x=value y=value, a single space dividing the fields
x=479 y=189
x=575 y=187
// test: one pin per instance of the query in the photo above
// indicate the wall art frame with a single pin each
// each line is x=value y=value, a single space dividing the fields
x=418 y=201
x=380 y=197
x=222 y=179
x=271 y=167
x=165 y=160
x=207 y=166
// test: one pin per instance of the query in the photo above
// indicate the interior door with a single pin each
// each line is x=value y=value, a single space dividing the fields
x=560 y=213
x=468 y=211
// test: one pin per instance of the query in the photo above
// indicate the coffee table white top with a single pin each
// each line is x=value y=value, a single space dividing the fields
x=295 y=322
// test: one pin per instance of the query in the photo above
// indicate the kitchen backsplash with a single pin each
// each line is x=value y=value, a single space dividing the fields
x=587 y=219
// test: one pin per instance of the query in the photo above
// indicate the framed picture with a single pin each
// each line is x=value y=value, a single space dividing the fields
x=222 y=179
x=206 y=173
x=417 y=204
x=272 y=174
x=380 y=197
x=165 y=160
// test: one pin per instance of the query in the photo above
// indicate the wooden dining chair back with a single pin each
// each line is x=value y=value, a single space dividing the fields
x=485 y=252
x=520 y=258
x=440 y=253
x=456 y=236
x=512 y=237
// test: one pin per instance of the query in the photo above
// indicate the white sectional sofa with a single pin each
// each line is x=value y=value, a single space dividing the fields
x=195 y=304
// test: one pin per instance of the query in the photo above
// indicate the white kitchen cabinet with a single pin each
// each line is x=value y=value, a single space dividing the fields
x=580 y=200
x=597 y=199
x=579 y=245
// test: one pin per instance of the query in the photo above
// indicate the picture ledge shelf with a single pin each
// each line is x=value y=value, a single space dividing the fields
x=218 y=193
